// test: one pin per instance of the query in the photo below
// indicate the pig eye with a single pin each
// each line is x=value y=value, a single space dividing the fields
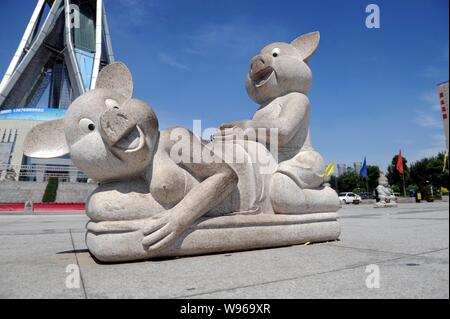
x=87 y=126
x=113 y=104
x=276 y=52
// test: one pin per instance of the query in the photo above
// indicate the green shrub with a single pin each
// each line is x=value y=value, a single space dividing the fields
x=51 y=190
x=396 y=189
x=358 y=190
x=411 y=187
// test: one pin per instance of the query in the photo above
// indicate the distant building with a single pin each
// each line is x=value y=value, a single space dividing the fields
x=358 y=167
x=65 y=45
x=342 y=169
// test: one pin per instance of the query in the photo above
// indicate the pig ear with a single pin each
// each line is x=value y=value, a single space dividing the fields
x=46 y=140
x=307 y=44
x=116 y=76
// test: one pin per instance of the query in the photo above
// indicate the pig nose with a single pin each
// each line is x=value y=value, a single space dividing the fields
x=114 y=125
x=258 y=62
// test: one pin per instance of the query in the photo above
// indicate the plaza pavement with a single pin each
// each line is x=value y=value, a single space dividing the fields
x=408 y=244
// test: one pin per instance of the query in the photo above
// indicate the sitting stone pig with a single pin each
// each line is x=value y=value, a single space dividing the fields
x=279 y=80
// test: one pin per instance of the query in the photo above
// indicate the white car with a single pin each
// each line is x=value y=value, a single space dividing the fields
x=349 y=198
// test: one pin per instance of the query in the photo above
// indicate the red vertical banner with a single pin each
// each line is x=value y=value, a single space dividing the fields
x=399 y=165
x=443 y=99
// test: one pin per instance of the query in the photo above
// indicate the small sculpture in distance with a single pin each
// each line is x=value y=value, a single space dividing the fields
x=385 y=193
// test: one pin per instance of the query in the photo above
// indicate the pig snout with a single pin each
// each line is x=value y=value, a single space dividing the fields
x=260 y=63
x=114 y=125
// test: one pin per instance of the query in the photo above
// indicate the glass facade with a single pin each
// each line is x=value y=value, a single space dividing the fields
x=45 y=81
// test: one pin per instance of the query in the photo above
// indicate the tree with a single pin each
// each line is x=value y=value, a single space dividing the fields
x=437 y=176
x=349 y=181
x=396 y=189
x=334 y=183
x=394 y=177
x=419 y=174
x=373 y=173
x=429 y=171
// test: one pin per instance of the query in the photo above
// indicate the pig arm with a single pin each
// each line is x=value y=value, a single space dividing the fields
x=218 y=181
x=293 y=114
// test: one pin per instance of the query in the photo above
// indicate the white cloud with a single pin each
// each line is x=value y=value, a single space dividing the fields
x=436 y=107
x=436 y=145
x=195 y=52
x=428 y=152
x=132 y=12
x=428 y=120
x=236 y=37
x=171 y=61
x=430 y=97
x=435 y=73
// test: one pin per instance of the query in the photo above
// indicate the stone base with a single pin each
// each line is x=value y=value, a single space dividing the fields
x=405 y=200
x=222 y=234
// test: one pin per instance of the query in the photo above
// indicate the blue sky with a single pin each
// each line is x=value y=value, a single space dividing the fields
x=374 y=90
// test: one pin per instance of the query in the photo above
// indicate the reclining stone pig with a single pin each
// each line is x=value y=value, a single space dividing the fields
x=142 y=192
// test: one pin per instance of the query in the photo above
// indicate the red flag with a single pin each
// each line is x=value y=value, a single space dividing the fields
x=399 y=165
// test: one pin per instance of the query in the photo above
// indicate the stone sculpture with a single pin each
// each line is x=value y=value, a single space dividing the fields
x=157 y=198
x=385 y=194
x=279 y=80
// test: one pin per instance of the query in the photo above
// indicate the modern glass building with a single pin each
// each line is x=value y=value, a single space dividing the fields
x=65 y=45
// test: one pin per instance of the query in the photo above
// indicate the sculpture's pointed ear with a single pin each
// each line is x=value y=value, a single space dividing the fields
x=116 y=76
x=307 y=44
x=46 y=140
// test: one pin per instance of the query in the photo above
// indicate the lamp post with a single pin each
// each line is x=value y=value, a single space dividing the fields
x=431 y=189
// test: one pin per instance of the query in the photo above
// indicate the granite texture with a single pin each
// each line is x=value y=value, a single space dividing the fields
x=168 y=193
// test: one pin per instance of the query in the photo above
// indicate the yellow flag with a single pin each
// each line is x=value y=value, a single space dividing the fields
x=445 y=161
x=330 y=169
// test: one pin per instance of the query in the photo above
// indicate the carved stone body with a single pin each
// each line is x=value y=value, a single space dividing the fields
x=157 y=198
x=279 y=80
x=385 y=194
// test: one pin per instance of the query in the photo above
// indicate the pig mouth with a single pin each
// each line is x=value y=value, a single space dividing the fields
x=132 y=142
x=263 y=76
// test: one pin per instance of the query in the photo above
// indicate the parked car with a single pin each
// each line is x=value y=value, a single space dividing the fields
x=349 y=198
x=367 y=195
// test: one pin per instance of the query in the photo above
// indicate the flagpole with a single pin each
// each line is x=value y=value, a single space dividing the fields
x=404 y=189
x=400 y=169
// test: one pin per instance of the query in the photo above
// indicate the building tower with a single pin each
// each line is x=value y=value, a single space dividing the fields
x=65 y=45
x=342 y=169
x=61 y=52
x=358 y=167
